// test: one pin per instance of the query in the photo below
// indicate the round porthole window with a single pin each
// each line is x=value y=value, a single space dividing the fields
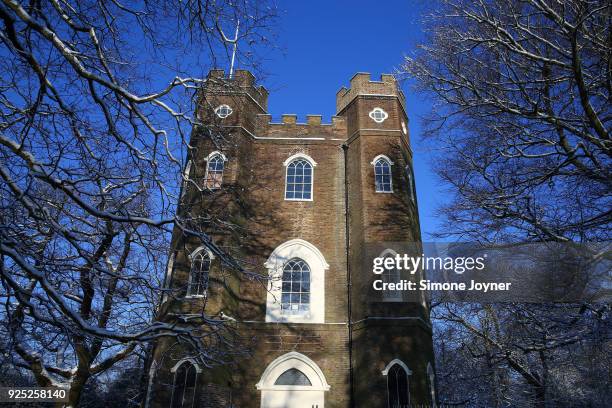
x=223 y=111
x=378 y=115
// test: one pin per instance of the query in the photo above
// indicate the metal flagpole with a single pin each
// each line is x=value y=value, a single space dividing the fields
x=231 y=71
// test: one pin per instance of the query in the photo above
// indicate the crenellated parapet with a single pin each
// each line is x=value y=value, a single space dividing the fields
x=289 y=127
x=242 y=81
x=361 y=84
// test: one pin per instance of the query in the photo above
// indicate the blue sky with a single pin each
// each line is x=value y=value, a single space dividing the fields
x=323 y=44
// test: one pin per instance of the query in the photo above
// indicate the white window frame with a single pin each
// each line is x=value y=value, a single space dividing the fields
x=222 y=106
x=296 y=248
x=388 y=160
x=376 y=110
x=408 y=371
x=191 y=258
x=291 y=292
x=174 y=369
x=208 y=158
x=286 y=163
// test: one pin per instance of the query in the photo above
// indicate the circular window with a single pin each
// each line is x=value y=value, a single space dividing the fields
x=223 y=111
x=378 y=115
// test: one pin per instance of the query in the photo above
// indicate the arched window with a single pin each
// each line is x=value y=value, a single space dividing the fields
x=214 y=171
x=295 y=295
x=398 y=392
x=296 y=284
x=382 y=174
x=184 y=386
x=293 y=376
x=299 y=180
x=198 y=274
x=411 y=186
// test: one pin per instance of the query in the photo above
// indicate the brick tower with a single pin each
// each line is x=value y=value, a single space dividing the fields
x=298 y=204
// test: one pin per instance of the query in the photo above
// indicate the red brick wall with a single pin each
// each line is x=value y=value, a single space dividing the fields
x=252 y=202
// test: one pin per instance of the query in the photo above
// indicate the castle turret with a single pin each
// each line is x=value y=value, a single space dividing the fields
x=382 y=221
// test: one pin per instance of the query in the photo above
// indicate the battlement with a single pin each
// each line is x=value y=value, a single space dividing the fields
x=361 y=84
x=242 y=81
x=291 y=128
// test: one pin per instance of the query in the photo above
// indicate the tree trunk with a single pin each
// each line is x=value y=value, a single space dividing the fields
x=76 y=389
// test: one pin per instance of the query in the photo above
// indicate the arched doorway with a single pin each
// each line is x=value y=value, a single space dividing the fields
x=292 y=380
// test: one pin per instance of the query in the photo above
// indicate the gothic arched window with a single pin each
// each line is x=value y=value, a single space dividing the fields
x=295 y=295
x=184 y=386
x=293 y=376
x=411 y=186
x=397 y=387
x=299 y=180
x=198 y=274
x=382 y=174
x=398 y=392
x=214 y=171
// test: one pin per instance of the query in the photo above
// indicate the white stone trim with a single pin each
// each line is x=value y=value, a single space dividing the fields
x=381 y=156
x=431 y=376
x=296 y=248
x=298 y=361
x=152 y=372
x=300 y=156
x=218 y=108
x=186 y=174
x=213 y=154
x=168 y=277
x=201 y=248
x=400 y=363
x=375 y=110
x=181 y=361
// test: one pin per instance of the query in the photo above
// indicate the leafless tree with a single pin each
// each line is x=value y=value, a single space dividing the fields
x=523 y=116
x=521 y=123
x=96 y=105
x=522 y=355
